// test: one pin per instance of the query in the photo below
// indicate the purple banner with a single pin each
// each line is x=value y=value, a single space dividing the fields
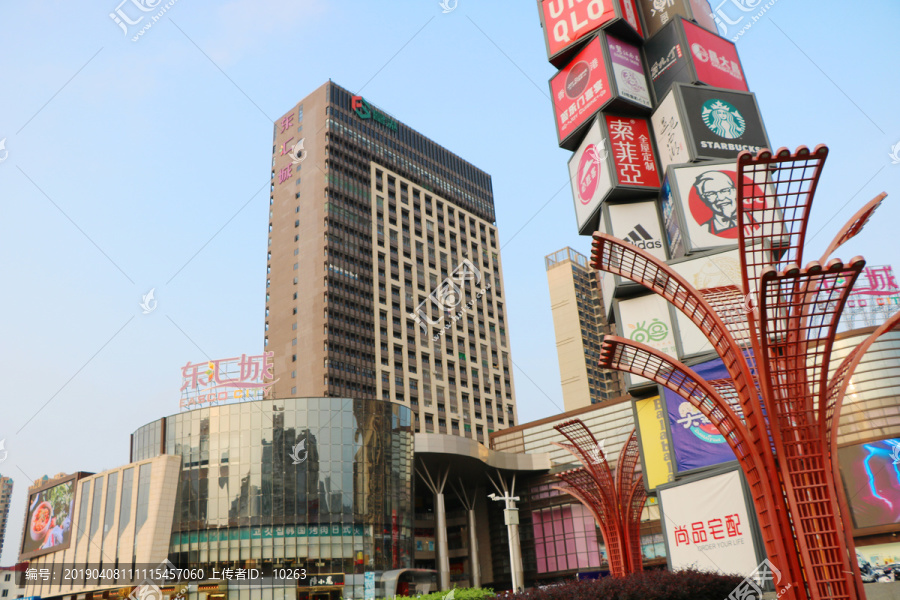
x=696 y=441
x=629 y=72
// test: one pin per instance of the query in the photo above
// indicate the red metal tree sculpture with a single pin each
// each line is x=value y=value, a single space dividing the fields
x=615 y=499
x=775 y=337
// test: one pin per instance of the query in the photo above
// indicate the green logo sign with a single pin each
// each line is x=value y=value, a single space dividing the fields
x=723 y=119
x=657 y=331
x=364 y=110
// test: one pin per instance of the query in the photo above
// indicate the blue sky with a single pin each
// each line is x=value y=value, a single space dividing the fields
x=139 y=165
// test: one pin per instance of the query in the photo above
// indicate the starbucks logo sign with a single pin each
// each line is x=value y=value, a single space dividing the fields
x=723 y=119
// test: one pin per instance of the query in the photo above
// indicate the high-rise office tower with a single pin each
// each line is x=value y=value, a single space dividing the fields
x=384 y=277
x=6 y=488
x=579 y=322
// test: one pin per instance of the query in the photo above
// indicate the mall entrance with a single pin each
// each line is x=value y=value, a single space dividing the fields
x=320 y=593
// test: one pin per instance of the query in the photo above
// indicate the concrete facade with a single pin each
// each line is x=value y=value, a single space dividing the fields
x=579 y=323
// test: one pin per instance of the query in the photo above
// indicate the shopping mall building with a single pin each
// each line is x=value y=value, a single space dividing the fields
x=344 y=488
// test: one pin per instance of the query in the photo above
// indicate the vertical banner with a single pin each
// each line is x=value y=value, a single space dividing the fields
x=671 y=224
x=696 y=442
x=656 y=455
x=669 y=131
x=591 y=178
x=629 y=72
x=369 y=585
x=666 y=61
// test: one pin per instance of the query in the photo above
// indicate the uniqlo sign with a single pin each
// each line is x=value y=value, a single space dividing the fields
x=580 y=90
x=567 y=21
x=632 y=152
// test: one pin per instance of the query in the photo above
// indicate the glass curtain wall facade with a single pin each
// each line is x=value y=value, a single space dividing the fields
x=318 y=483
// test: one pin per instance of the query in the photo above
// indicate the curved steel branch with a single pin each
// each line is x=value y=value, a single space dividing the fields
x=621 y=258
x=640 y=359
x=852 y=227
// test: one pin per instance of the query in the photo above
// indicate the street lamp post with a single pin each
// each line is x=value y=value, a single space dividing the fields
x=511 y=518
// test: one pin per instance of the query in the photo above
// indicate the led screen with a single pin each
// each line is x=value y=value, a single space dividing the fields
x=48 y=524
x=872 y=480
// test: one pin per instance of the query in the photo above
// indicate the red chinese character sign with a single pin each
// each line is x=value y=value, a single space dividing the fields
x=632 y=152
x=778 y=357
x=224 y=380
x=591 y=177
x=290 y=146
x=686 y=53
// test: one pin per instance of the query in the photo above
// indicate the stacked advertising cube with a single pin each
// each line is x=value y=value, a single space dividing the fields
x=656 y=108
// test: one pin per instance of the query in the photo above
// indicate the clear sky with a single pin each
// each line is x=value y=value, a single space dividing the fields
x=139 y=165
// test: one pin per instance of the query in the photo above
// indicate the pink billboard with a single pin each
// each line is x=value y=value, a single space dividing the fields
x=715 y=59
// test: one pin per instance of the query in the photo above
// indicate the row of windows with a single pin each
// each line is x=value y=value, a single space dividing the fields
x=409 y=144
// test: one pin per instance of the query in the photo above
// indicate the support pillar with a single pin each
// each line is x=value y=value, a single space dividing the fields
x=436 y=485
x=474 y=561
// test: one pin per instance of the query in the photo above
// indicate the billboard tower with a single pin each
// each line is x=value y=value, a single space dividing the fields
x=667 y=136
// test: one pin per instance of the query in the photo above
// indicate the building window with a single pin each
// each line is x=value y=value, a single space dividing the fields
x=565 y=537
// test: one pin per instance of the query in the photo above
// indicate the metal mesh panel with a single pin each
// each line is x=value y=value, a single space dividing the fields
x=637 y=497
x=608 y=496
x=852 y=227
x=772 y=217
x=619 y=257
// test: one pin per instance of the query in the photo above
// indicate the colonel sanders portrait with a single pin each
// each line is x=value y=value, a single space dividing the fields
x=717 y=191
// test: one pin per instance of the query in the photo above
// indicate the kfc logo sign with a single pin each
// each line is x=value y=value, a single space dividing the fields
x=713 y=202
x=567 y=21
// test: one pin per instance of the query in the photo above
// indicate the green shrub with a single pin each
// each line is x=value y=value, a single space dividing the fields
x=458 y=594
x=649 y=585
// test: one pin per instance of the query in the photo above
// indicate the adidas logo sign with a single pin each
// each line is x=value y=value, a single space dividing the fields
x=642 y=239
